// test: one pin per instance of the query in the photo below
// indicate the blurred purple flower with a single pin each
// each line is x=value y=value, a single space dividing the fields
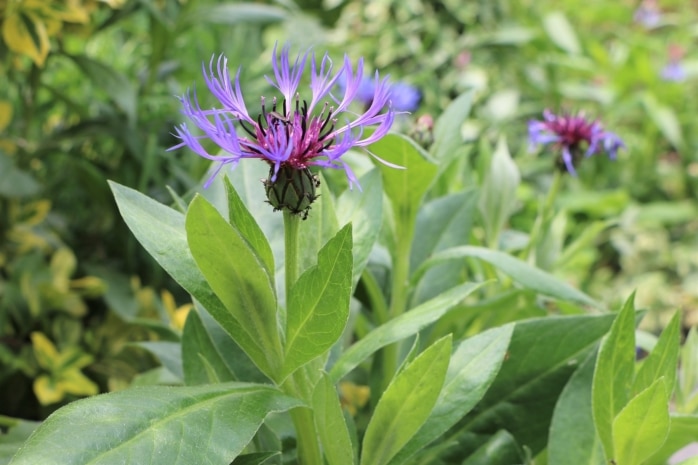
x=290 y=133
x=403 y=96
x=648 y=14
x=574 y=136
x=674 y=70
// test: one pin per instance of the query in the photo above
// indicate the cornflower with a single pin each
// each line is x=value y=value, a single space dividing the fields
x=290 y=134
x=574 y=136
x=403 y=96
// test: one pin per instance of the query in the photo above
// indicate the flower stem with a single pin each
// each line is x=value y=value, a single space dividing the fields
x=299 y=384
x=291 y=223
x=544 y=215
x=398 y=296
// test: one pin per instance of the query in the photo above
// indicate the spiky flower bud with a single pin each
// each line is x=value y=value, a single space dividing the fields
x=293 y=189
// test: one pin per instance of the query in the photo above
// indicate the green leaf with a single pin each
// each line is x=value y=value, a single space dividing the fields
x=320 y=226
x=202 y=356
x=542 y=355
x=116 y=84
x=613 y=375
x=160 y=230
x=683 y=431
x=447 y=129
x=523 y=273
x=318 y=305
x=406 y=404
x=573 y=439
x=405 y=325
x=498 y=196
x=500 y=449
x=561 y=32
x=330 y=424
x=242 y=220
x=155 y=426
x=364 y=209
x=404 y=187
x=169 y=354
x=238 y=278
x=15 y=434
x=642 y=426
x=441 y=223
x=471 y=370
x=663 y=361
x=255 y=458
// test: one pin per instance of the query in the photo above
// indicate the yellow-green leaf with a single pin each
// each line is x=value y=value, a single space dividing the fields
x=74 y=382
x=5 y=114
x=27 y=35
x=44 y=350
x=47 y=391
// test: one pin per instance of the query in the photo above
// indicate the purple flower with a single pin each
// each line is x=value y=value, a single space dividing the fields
x=648 y=14
x=403 y=96
x=574 y=136
x=673 y=71
x=292 y=132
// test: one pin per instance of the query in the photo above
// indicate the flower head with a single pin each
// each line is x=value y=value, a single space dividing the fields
x=288 y=132
x=574 y=136
x=648 y=14
x=674 y=69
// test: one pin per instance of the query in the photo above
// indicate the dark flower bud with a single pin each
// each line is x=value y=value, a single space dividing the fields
x=293 y=189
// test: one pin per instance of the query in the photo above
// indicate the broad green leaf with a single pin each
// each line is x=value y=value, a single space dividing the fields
x=613 y=375
x=160 y=230
x=405 y=325
x=642 y=426
x=472 y=368
x=683 y=431
x=155 y=426
x=573 y=439
x=542 y=356
x=117 y=85
x=320 y=226
x=242 y=220
x=520 y=271
x=404 y=187
x=330 y=424
x=15 y=434
x=447 y=128
x=500 y=449
x=364 y=209
x=406 y=404
x=169 y=354
x=318 y=305
x=238 y=278
x=441 y=223
x=662 y=362
x=690 y=461
x=498 y=193
x=203 y=358
x=561 y=32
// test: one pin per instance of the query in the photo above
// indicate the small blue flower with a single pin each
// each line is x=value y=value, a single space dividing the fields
x=403 y=96
x=648 y=14
x=291 y=132
x=572 y=135
x=673 y=71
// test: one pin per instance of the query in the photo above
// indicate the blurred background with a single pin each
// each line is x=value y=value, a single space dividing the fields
x=88 y=94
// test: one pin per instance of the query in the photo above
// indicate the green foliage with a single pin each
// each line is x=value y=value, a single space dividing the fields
x=448 y=312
